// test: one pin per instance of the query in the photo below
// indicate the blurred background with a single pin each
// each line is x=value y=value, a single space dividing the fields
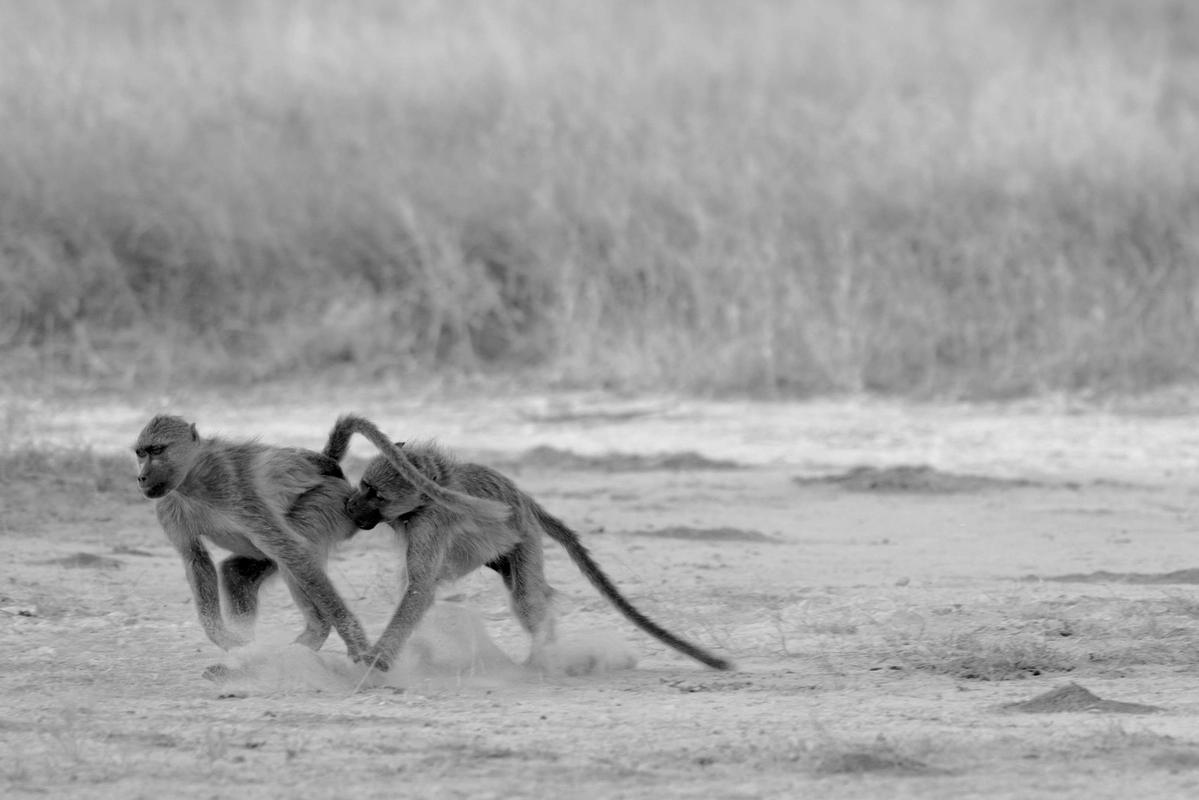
x=949 y=198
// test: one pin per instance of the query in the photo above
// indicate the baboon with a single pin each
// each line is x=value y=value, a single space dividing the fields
x=445 y=542
x=275 y=509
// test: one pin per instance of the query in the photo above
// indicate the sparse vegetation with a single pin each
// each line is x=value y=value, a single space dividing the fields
x=880 y=756
x=852 y=683
x=83 y=483
x=80 y=470
x=967 y=198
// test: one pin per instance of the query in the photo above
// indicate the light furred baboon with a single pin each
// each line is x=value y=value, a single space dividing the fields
x=275 y=509
x=445 y=542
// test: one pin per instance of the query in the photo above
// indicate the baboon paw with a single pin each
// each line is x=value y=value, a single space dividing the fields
x=374 y=659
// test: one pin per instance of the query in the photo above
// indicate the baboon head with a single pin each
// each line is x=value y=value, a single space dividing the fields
x=165 y=450
x=383 y=495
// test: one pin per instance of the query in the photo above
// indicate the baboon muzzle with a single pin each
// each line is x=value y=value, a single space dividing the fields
x=364 y=519
x=150 y=490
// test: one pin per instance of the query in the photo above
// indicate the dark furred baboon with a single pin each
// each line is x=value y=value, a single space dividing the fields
x=446 y=541
x=274 y=509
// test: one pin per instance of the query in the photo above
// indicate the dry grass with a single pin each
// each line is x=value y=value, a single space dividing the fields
x=971 y=198
x=990 y=658
x=41 y=487
x=75 y=469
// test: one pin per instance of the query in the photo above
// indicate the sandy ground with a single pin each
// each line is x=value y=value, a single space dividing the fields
x=881 y=621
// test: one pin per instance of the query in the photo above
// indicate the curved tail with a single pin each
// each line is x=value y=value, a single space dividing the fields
x=338 y=443
x=349 y=424
x=603 y=584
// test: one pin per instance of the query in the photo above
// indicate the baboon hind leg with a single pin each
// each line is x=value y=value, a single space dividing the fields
x=241 y=578
x=531 y=597
x=316 y=627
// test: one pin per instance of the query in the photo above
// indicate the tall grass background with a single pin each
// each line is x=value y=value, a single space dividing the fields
x=952 y=197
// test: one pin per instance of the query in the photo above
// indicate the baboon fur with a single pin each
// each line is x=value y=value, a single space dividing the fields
x=275 y=509
x=447 y=540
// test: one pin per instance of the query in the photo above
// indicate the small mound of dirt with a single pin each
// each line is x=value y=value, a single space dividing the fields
x=971 y=657
x=126 y=550
x=553 y=458
x=688 y=686
x=1073 y=698
x=1103 y=576
x=909 y=478
x=595 y=415
x=856 y=762
x=707 y=534
x=84 y=561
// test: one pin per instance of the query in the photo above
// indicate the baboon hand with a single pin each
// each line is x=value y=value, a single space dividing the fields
x=373 y=658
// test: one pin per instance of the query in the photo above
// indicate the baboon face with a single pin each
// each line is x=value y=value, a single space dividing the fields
x=382 y=496
x=164 y=451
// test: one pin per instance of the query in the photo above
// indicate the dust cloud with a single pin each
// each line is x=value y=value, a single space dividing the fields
x=450 y=648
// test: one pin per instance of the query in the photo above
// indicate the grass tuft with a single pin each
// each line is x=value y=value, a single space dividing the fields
x=969 y=657
x=73 y=469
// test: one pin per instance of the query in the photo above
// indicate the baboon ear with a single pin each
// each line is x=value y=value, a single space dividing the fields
x=399 y=444
x=195 y=435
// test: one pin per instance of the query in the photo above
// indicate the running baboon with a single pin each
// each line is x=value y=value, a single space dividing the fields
x=445 y=542
x=275 y=509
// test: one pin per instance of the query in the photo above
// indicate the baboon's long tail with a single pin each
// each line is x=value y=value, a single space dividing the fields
x=339 y=440
x=587 y=565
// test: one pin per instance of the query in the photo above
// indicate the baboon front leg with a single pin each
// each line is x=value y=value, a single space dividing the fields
x=424 y=555
x=202 y=578
x=241 y=578
x=416 y=601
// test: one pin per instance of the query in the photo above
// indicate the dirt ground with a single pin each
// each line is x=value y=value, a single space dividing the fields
x=895 y=583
